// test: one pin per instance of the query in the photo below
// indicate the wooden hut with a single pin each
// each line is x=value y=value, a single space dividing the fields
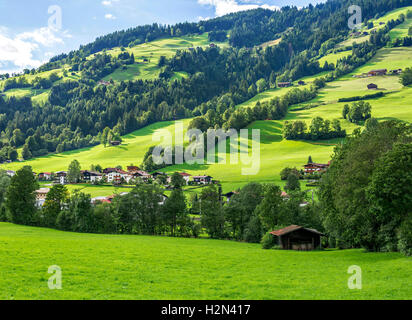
x=298 y=238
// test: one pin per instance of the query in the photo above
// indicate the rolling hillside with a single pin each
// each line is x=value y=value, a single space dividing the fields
x=276 y=153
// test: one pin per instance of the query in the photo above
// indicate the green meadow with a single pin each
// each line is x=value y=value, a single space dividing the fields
x=147 y=56
x=146 y=267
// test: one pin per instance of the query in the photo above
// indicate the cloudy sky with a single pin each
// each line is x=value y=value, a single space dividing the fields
x=31 y=32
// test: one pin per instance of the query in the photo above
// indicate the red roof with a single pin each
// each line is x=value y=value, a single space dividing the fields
x=184 y=174
x=292 y=228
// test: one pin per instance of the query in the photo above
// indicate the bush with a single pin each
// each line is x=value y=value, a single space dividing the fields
x=405 y=238
x=268 y=241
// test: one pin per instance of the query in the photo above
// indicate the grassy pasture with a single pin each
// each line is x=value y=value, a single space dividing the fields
x=152 y=51
x=144 y=267
x=132 y=151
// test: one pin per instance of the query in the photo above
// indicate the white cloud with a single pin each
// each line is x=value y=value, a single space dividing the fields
x=24 y=50
x=109 y=16
x=223 y=7
x=109 y=3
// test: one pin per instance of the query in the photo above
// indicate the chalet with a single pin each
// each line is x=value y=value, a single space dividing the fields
x=311 y=168
x=301 y=83
x=203 y=179
x=284 y=84
x=91 y=176
x=298 y=238
x=372 y=86
x=184 y=175
x=164 y=198
x=108 y=170
x=379 y=72
x=396 y=72
x=45 y=176
x=104 y=83
x=132 y=169
x=117 y=176
x=115 y=143
x=157 y=174
x=60 y=177
x=10 y=173
x=229 y=195
x=140 y=174
x=41 y=196
x=100 y=200
x=284 y=195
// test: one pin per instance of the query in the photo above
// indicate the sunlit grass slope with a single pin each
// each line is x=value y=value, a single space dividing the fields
x=144 y=267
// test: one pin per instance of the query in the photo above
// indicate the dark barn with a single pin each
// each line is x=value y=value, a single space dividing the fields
x=298 y=238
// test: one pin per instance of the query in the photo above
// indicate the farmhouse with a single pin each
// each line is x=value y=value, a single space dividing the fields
x=298 y=238
x=396 y=72
x=229 y=195
x=117 y=176
x=315 y=167
x=203 y=179
x=60 y=177
x=45 y=176
x=91 y=176
x=284 y=84
x=185 y=177
x=145 y=176
x=132 y=169
x=115 y=143
x=41 y=195
x=10 y=173
x=372 y=86
x=379 y=72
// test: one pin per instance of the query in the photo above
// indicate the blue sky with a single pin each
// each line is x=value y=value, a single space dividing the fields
x=31 y=31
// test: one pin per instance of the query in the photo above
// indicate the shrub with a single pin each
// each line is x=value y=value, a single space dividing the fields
x=268 y=241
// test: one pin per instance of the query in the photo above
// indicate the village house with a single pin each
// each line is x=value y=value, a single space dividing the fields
x=140 y=174
x=311 y=168
x=203 y=179
x=104 y=83
x=132 y=169
x=91 y=176
x=45 y=176
x=157 y=174
x=97 y=200
x=229 y=195
x=379 y=72
x=184 y=175
x=115 y=143
x=396 y=72
x=60 y=177
x=117 y=175
x=10 y=173
x=163 y=201
x=298 y=238
x=41 y=196
x=372 y=86
x=284 y=84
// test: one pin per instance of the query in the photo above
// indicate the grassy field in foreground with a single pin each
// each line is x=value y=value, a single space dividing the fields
x=144 y=267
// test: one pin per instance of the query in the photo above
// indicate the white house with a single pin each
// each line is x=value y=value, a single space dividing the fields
x=11 y=173
x=41 y=195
